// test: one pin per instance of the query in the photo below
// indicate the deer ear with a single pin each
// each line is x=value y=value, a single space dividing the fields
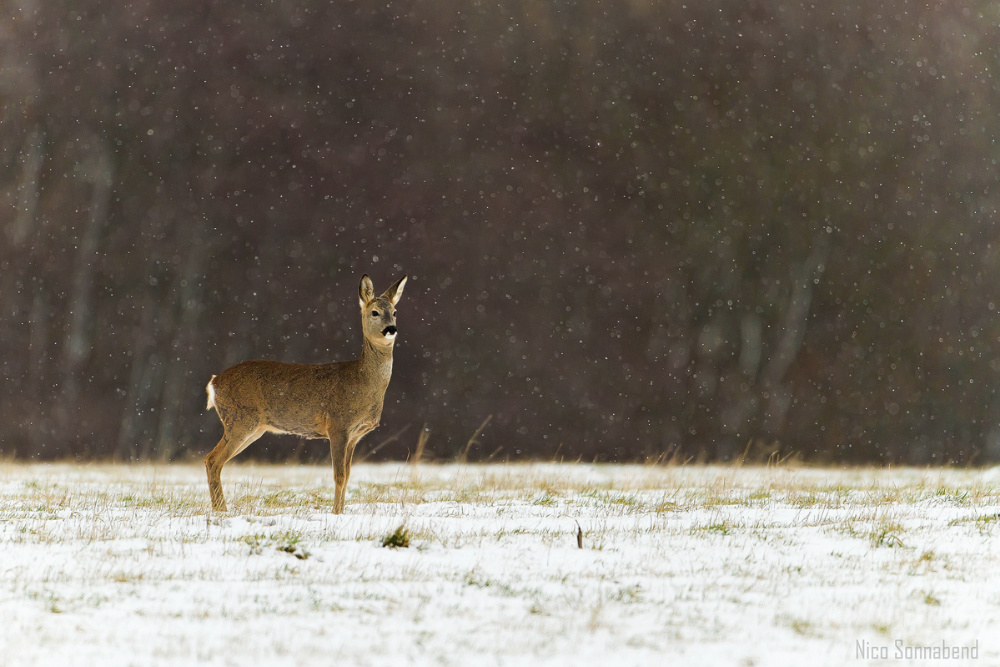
x=396 y=291
x=366 y=293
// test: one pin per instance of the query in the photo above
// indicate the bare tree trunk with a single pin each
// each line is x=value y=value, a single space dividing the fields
x=777 y=398
x=38 y=340
x=148 y=398
x=28 y=187
x=751 y=344
x=99 y=170
x=139 y=386
x=177 y=397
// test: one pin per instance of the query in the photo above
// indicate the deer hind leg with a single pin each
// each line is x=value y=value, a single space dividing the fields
x=236 y=438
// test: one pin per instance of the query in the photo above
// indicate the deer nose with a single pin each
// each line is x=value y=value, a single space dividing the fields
x=389 y=331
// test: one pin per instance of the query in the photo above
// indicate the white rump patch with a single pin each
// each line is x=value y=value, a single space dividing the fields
x=211 y=394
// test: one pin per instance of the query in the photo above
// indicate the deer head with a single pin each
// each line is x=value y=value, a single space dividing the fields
x=378 y=313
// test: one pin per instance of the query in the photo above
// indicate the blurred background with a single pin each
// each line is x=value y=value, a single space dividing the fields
x=634 y=230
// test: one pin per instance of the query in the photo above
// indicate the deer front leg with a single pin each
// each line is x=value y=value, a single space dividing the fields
x=352 y=442
x=338 y=452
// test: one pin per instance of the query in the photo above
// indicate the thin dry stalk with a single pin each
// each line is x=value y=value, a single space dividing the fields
x=494 y=453
x=392 y=438
x=425 y=434
x=465 y=454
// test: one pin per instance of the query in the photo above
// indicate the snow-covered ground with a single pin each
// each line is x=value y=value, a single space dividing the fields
x=123 y=565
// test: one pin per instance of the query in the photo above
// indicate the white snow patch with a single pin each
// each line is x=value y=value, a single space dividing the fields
x=124 y=565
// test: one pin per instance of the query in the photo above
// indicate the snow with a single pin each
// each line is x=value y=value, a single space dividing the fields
x=124 y=565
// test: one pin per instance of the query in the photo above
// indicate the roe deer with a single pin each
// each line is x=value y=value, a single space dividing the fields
x=339 y=401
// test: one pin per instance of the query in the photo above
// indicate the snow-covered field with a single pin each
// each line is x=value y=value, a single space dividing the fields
x=123 y=565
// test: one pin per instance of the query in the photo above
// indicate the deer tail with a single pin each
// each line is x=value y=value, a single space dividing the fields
x=211 y=394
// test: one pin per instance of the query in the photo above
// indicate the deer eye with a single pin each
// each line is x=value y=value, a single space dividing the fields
x=374 y=313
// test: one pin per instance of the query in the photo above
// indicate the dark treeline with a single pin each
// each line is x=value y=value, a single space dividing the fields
x=633 y=229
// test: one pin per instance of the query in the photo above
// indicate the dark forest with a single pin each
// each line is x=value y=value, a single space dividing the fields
x=634 y=230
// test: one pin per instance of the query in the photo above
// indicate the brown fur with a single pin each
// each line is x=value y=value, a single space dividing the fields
x=339 y=401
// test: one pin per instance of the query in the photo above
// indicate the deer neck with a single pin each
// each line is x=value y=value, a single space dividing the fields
x=376 y=360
